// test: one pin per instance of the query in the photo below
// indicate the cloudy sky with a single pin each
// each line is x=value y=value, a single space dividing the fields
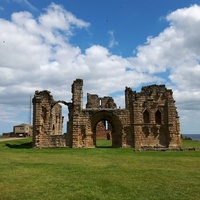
x=109 y=44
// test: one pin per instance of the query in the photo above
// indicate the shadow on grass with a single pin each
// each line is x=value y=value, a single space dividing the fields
x=27 y=145
x=101 y=146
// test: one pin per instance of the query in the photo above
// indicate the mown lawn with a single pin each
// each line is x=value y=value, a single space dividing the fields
x=101 y=173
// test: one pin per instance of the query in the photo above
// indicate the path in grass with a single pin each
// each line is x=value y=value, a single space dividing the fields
x=11 y=139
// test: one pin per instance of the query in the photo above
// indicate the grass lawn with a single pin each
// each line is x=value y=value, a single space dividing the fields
x=101 y=173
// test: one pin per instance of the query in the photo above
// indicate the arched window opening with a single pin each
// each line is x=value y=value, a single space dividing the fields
x=100 y=103
x=107 y=125
x=146 y=117
x=158 y=117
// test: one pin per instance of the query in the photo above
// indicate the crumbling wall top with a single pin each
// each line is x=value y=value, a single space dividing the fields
x=93 y=101
x=148 y=90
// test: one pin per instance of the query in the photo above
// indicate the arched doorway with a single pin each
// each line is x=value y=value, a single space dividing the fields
x=115 y=127
x=59 y=115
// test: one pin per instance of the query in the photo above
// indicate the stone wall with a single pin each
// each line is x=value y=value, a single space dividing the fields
x=154 y=117
x=149 y=119
x=57 y=119
x=47 y=120
x=94 y=101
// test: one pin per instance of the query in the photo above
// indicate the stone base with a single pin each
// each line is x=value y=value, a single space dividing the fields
x=167 y=149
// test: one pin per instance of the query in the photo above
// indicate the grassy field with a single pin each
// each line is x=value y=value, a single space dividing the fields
x=101 y=173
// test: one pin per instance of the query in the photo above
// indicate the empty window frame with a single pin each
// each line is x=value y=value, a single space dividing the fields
x=158 y=117
x=146 y=117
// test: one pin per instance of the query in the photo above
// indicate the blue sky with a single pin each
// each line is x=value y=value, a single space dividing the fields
x=109 y=44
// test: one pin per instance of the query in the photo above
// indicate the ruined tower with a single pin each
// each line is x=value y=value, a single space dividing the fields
x=47 y=121
x=154 y=117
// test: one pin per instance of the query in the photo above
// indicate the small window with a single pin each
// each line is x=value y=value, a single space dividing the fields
x=100 y=102
x=146 y=117
x=158 y=117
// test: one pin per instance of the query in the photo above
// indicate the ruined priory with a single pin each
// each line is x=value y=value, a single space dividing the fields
x=149 y=119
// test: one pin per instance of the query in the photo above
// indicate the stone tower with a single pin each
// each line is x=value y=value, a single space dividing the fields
x=154 y=118
x=47 y=121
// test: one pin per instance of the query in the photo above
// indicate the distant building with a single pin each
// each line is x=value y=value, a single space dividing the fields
x=23 y=130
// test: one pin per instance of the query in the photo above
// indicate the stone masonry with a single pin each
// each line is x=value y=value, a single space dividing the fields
x=149 y=119
x=47 y=121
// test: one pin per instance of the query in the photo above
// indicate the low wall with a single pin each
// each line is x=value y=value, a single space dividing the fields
x=57 y=141
x=168 y=149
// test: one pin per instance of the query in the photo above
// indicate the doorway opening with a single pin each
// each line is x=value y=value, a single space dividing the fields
x=103 y=132
x=111 y=124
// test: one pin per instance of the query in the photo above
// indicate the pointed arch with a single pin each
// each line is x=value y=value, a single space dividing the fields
x=113 y=120
x=146 y=118
x=158 y=117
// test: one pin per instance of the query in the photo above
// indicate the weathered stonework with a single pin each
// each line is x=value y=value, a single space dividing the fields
x=47 y=121
x=149 y=119
x=155 y=121
x=103 y=130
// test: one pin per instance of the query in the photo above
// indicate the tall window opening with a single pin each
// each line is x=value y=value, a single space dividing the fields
x=146 y=117
x=158 y=117
x=100 y=102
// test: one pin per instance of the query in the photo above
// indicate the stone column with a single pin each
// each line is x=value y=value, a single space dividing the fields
x=77 y=99
x=173 y=122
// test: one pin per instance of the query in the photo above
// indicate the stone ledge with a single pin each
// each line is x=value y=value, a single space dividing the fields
x=167 y=149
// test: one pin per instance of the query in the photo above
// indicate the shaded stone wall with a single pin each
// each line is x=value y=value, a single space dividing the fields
x=56 y=119
x=47 y=121
x=103 y=132
x=100 y=131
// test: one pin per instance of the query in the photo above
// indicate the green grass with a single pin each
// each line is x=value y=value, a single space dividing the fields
x=101 y=173
x=104 y=143
x=189 y=143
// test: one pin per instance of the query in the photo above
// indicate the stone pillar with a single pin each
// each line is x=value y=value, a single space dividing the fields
x=41 y=119
x=36 y=118
x=69 y=125
x=77 y=99
x=128 y=97
x=173 y=122
x=77 y=95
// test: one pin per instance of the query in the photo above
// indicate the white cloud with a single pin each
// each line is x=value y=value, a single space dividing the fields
x=32 y=53
x=177 y=48
x=189 y=121
x=176 y=45
x=36 y=54
x=112 y=41
x=59 y=19
x=25 y=3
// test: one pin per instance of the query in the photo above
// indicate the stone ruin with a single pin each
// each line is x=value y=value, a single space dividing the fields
x=149 y=119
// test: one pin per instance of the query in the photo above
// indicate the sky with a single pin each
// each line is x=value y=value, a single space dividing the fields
x=110 y=44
